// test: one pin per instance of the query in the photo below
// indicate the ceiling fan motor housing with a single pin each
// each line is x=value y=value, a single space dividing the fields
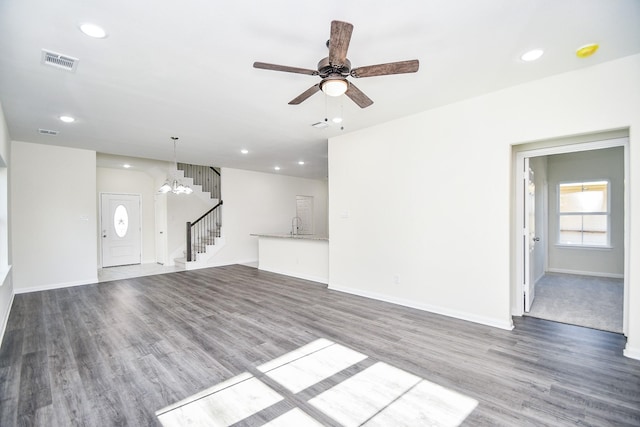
x=325 y=68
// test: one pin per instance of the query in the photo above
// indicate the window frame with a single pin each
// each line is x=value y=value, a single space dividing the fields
x=607 y=214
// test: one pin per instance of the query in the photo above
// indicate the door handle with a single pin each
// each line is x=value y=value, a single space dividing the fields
x=536 y=239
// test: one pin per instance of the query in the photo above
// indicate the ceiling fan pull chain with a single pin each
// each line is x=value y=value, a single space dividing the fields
x=326 y=109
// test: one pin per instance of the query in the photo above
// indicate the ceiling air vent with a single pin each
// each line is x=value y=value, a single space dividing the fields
x=48 y=132
x=59 y=61
x=320 y=125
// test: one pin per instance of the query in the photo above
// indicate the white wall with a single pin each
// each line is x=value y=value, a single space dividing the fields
x=435 y=230
x=123 y=181
x=53 y=212
x=6 y=283
x=605 y=164
x=257 y=202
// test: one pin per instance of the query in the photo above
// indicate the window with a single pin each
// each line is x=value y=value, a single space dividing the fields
x=121 y=221
x=583 y=214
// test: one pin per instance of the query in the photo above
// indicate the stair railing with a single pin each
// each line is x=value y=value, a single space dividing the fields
x=207 y=177
x=203 y=231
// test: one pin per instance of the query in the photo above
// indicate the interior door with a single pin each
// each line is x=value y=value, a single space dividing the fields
x=160 y=205
x=529 y=238
x=120 y=226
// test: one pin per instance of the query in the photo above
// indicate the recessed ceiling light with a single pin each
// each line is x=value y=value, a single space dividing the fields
x=126 y=166
x=337 y=120
x=301 y=162
x=93 y=30
x=277 y=168
x=532 y=55
x=587 y=50
x=67 y=119
x=244 y=151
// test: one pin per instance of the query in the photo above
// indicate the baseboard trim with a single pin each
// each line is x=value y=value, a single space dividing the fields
x=89 y=281
x=297 y=275
x=631 y=352
x=196 y=266
x=487 y=321
x=585 y=273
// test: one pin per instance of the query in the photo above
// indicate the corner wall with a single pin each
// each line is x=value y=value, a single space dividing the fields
x=441 y=236
x=6 y=282
x=53 y=211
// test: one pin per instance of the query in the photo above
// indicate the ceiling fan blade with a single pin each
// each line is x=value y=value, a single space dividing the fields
x=304 y=95
x=339 y=42
x=274 y=67
x=358 y=96
x=401 y=67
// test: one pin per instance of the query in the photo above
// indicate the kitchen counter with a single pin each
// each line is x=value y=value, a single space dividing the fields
x=293 y=236
x=305 y=256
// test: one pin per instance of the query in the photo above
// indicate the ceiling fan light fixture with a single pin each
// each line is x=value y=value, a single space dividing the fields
x=334 y=87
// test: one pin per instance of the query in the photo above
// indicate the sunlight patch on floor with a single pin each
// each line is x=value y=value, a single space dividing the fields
x=295 y=417
x=222 y=406
x=382 y=395
x=312 y=368
x=379 y=395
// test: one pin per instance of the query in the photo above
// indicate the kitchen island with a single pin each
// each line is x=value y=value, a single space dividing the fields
x=305 y=256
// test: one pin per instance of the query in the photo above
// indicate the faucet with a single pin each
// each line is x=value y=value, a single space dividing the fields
x=294 y=229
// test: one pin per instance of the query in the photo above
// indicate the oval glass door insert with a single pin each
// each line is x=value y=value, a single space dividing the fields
x=121 y=220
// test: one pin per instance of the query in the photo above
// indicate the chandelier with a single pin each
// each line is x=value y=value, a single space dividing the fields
x=173 y=184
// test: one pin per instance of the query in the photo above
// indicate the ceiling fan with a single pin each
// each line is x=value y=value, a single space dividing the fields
x=335 y=69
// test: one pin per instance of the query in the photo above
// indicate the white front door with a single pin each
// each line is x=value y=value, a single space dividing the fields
x=120 y=229
x=529 y=238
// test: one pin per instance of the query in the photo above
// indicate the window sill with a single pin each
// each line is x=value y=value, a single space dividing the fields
x=591 y=248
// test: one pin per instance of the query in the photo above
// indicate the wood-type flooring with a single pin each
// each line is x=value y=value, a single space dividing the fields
x=116 y=352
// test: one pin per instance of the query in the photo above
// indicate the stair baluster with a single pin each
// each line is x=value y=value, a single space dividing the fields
x=201 y=230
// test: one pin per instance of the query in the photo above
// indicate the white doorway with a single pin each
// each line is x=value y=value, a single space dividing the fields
x=525 y=241
x=120 y=232
x=529 y=236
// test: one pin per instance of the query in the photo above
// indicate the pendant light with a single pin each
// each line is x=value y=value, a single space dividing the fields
x=173 y=184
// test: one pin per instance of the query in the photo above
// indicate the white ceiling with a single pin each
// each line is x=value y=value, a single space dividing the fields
x=184 y=68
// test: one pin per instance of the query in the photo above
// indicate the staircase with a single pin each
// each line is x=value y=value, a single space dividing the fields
x=204 y=235
x=206 y=177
